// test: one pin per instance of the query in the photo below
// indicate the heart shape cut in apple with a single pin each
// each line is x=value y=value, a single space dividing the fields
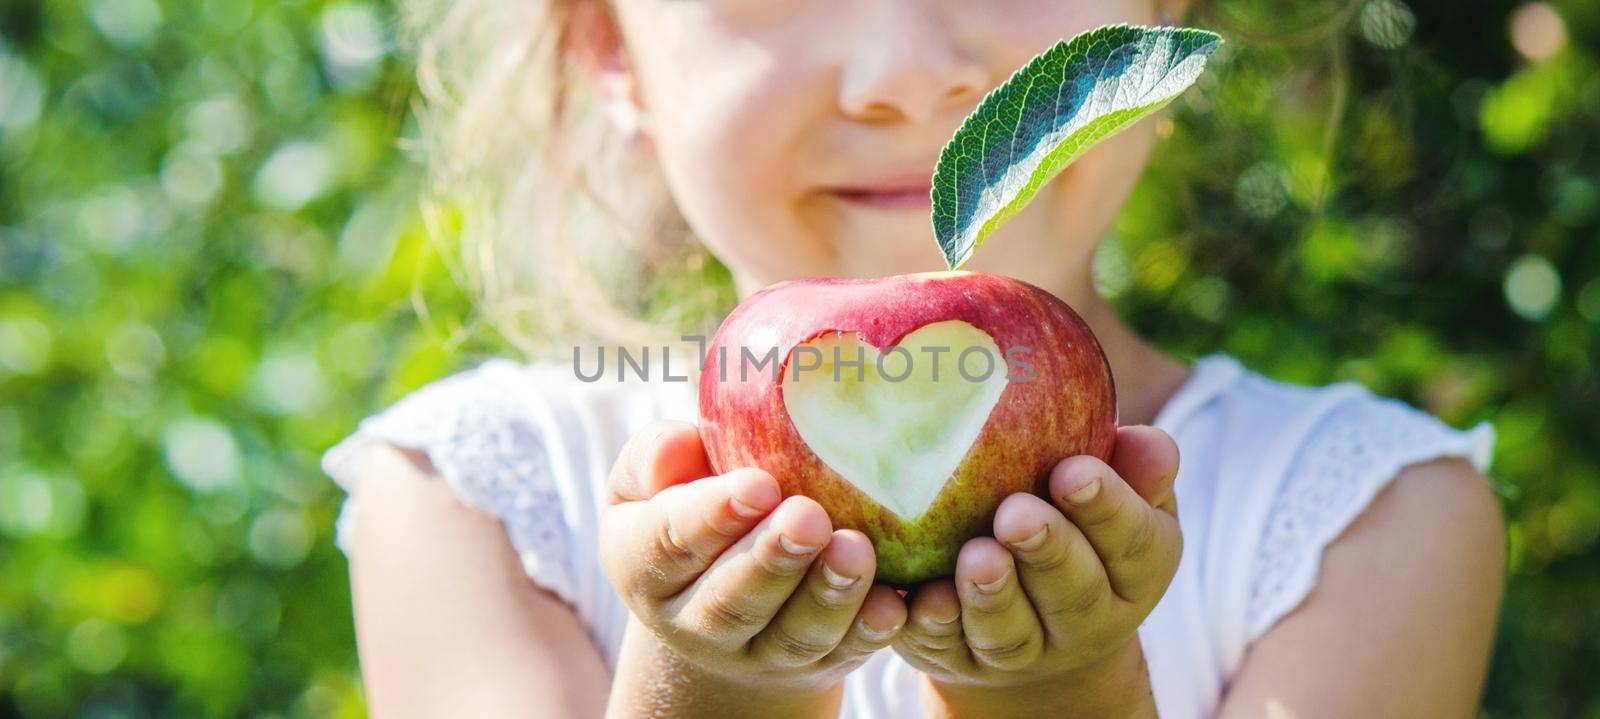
x=896 y=424
x=877 y=399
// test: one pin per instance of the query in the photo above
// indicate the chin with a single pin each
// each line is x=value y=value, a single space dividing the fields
x=869 y=257
x=874 y=270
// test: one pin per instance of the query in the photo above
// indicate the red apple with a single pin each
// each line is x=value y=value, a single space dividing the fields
x=913 y=445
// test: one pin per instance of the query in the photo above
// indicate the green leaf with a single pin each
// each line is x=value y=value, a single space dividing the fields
x=1060 y=104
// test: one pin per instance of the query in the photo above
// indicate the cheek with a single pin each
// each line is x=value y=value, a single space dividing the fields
x=725 y=133
x=1095 y=188
x=1066 y=222
x=1016 y=30
x=722 y=132
x=1111 y=167
x=1087 y=197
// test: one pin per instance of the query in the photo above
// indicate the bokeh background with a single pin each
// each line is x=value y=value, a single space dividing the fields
x=212 y=265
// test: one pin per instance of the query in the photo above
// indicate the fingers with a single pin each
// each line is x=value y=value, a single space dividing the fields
x=1060 y=571
x=1139 y=545
x=999 y=622
x=932 y=635
x=655 y=549
x=819 y=614
x=879 y=621
x=663 y=454
x=744 y=589
x=1147 y=459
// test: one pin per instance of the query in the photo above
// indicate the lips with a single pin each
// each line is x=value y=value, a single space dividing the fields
x=891 y=198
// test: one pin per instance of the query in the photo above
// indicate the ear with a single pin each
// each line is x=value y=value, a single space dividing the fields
x=595 y=43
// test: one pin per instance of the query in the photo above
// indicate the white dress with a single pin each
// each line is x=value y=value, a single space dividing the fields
x=1270 y=474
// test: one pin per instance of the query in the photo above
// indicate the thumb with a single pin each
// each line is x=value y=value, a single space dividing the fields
x=1147 y=459
x=663 y=454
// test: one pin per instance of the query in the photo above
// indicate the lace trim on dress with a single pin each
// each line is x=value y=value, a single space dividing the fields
x=479 y=431
x=1356 y=450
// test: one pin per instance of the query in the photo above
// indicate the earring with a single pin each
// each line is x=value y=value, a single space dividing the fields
x=626 y=121
x=638 y=137
x=641 y=143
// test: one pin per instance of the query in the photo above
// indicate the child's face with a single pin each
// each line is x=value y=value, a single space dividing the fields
x=799 y=136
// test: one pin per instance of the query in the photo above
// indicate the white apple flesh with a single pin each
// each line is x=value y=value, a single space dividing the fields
x=908 y=406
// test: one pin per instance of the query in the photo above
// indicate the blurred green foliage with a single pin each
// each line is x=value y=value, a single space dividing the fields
x=211 y=262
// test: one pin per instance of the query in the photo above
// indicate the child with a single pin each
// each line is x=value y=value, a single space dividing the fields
x=1317 y=552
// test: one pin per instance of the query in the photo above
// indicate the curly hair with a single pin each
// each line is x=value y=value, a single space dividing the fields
x=558 y=226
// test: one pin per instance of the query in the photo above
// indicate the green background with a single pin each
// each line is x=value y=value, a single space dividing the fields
x=211 y=266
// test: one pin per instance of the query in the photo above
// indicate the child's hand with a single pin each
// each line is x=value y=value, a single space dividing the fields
x=1053 y=601
x=734 y=582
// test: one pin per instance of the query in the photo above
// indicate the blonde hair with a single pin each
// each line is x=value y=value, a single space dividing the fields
x=563 y=231
x=558 y=225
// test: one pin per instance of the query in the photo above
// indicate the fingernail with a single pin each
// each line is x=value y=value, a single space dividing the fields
x=745 y=511
x=795 y=548
x=1085 y=493
x=874 y=635
x=837 y=580
x=994 y=586
x=1034 y=542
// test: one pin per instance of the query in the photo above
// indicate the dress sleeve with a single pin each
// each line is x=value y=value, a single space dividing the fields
x=1358 y=447
x=480 y=431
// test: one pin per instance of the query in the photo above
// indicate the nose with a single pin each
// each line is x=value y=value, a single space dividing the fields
x=907 y=67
